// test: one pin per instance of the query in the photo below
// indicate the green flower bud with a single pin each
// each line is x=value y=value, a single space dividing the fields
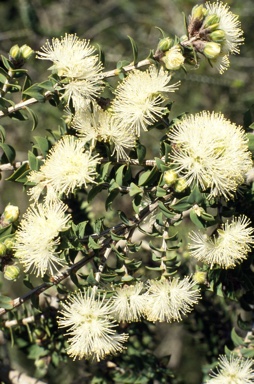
x=200 y=277
x=180 y=185
x=165 y=44
x=212 y=27
x=11 y=272
x=3 y=249
x=9 y=243
x=170 y=177
x=15 y=53
x=198 y=12
x=210 y=20
x=10 y=214
x=212 y=50
x=217 y=36
x=26 y=52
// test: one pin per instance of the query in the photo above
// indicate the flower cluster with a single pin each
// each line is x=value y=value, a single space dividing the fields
x=75 y=61
x=229 y=247
x=91 y=326
x=38 y=237
x=233 y=370
x=210 y=151
x=68 y=166
x=91 y=319
x=97 y=124
x=140 y=98
x=216 y=32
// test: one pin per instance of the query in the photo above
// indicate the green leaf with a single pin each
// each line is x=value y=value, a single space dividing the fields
x=124 y=218
x=119 y=174
x=250 y=142
x=248 y=353
x=237 y=340
x=18 y=115
x=42 y=144
x=9 y=153
x=248 y=117
x=6 y=62
x=33 y=116
x=34 y=162
x=134 y=50
x=6 y=302
x=35 y=91
x=141 y=152
x=135 y=190
x=92 y=244
x=196 y=219
x=20 y=174
x=2 y=134
x=166 y=212
x=148 y=176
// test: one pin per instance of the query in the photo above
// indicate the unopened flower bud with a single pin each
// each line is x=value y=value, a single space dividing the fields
x=173 y=58
x=199 y=277
x=212 y=27
x=170 y=177
x=180 y=185
x=217 y=36
x=9 y=244
x=212 y=50
x=11 y=272
x=198 y=12
x=3 y=249
x=10 y=214
x=210 y=20
x=15 y=53
x=26 y=52
x=165 y=44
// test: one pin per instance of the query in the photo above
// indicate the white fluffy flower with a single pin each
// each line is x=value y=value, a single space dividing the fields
x=140 y=98
x=68 y=166
x=233 y=370
x=169 y=299
x=129 y=302
x=229 y=248
x=37 y=237
x=210 y=151
x=100 y=125
x=91 y=327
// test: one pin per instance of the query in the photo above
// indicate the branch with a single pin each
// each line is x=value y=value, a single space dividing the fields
x=23 y=105
x=119 y=229
x=127 y=68
x=17 y=164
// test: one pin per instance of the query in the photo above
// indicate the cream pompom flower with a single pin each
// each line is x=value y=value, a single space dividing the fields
x=233 y=370
x=72 y=57
x=75 y=59
x=169 y=299
x=129 y=302
x=91 y=327
x=100 y=125
x=229 y=248
x=37 y=238
x=140 y=98
x=211 y=151
x=68 y=166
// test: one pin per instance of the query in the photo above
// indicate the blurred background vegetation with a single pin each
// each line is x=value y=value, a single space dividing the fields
x=107 y=23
